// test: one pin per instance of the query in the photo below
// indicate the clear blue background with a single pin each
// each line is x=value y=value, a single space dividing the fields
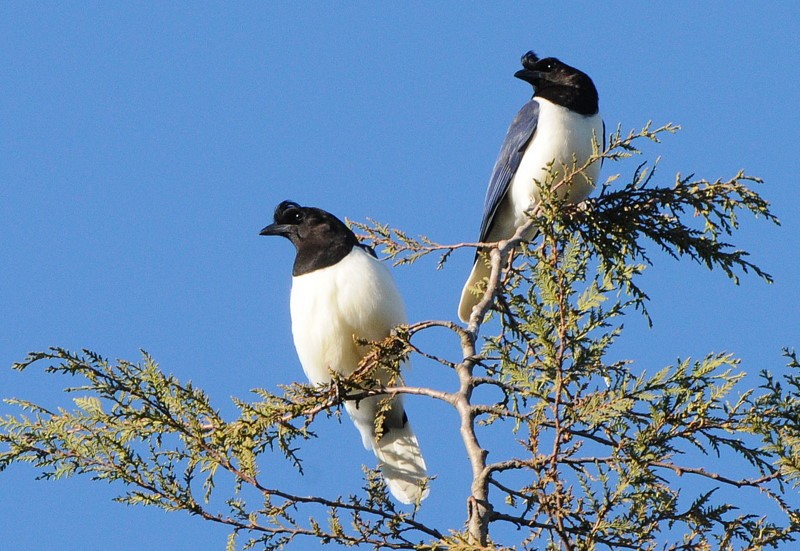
x=142 y=148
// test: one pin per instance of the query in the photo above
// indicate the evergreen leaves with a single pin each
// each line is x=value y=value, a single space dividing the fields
x=602 y=453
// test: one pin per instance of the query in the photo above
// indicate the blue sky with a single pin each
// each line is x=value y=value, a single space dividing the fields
x=145 y=145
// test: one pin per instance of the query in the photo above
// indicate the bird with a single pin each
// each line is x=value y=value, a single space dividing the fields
x=560 y=124
x=340 y=293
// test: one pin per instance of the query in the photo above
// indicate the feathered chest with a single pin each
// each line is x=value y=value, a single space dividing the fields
x=562 y=137
x=331 y=307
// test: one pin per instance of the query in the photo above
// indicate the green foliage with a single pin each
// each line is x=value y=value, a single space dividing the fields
x=601 y=455
x=141 y=427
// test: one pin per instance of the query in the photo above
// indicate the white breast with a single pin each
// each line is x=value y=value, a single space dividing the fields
x=560 y=134
x=355 y=297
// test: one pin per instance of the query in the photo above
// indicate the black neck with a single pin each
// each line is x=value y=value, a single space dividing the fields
x=582 y=99
x=318 y=252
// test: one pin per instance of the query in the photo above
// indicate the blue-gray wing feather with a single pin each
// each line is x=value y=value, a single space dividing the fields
x=519 y=134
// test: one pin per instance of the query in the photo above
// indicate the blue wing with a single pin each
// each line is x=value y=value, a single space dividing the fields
x=519 y=134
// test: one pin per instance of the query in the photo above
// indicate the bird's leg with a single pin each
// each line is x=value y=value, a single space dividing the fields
x=336 y=394
x=511 y=255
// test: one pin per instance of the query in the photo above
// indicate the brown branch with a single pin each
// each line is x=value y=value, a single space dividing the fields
x=739 y=483
x=521 y=521
x=395 y=390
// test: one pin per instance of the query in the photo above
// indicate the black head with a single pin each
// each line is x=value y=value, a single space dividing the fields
x=556 y=81
x=320 y=238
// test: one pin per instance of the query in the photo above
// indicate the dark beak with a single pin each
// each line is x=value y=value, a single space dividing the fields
x=532 y=77
x=276 y=229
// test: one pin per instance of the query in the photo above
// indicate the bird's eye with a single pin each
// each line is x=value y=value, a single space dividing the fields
x=549 y=66
x=292 y=216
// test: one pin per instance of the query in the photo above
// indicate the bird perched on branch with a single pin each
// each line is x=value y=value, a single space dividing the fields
x=342 y=293
x=556 y=128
